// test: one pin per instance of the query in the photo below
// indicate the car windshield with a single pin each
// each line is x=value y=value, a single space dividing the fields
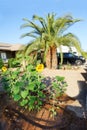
x=71 y=55
x=68 y=55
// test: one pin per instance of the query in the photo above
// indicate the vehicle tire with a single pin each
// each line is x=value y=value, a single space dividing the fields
x=78 y=62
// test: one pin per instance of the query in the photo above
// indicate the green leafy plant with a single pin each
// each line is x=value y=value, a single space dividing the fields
x=58 y=86
x=56 y=89
x=13 y=62
x=25 y=87
x=1 y=63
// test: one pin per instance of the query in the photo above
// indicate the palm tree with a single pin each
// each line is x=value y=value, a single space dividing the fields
x=48 y=34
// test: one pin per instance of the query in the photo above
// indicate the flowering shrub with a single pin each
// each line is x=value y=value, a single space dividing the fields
x=4 y=69
x=25 y=87
x=39 y=67
x=29 y=89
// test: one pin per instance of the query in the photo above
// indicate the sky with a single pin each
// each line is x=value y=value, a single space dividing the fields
x=12 y=13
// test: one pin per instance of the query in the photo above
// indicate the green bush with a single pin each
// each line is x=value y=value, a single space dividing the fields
x=13 y=62
x=24 y=87
x=1 y=63
x=29 y=87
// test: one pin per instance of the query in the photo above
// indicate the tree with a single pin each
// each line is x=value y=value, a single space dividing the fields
x=48 y=34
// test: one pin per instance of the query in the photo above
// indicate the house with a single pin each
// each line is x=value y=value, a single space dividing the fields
x=8 y=51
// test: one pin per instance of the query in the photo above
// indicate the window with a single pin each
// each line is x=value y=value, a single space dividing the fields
x=3 y=56
x=71 y=55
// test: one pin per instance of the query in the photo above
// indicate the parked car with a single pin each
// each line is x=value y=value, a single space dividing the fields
x=71 y=59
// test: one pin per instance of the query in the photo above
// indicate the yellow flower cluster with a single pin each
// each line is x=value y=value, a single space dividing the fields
x=39 y=67
x=4 y=69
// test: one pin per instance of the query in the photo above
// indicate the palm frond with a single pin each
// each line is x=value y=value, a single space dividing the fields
x=32 y=25
x=63 y=23
x=41 y=20
x=28 y=34
x=33 y=46
x=70 y=40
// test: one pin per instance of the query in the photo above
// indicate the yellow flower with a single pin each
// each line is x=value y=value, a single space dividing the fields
x=39 y=67
x=4 y=69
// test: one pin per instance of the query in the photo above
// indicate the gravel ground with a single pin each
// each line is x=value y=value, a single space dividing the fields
x=74 y=79
x=77 y=87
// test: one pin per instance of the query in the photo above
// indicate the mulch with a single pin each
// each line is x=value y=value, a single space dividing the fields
x=13 y=117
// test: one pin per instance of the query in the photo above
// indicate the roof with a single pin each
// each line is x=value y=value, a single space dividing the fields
x=10 y=47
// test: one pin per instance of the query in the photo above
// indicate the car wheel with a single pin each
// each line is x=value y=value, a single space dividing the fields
x=78 y=62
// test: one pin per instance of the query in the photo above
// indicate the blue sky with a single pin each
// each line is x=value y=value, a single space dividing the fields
x=13 y=11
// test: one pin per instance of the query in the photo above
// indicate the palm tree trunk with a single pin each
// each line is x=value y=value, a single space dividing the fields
x=48 y=59
x=54 y=58
x=51 y=58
